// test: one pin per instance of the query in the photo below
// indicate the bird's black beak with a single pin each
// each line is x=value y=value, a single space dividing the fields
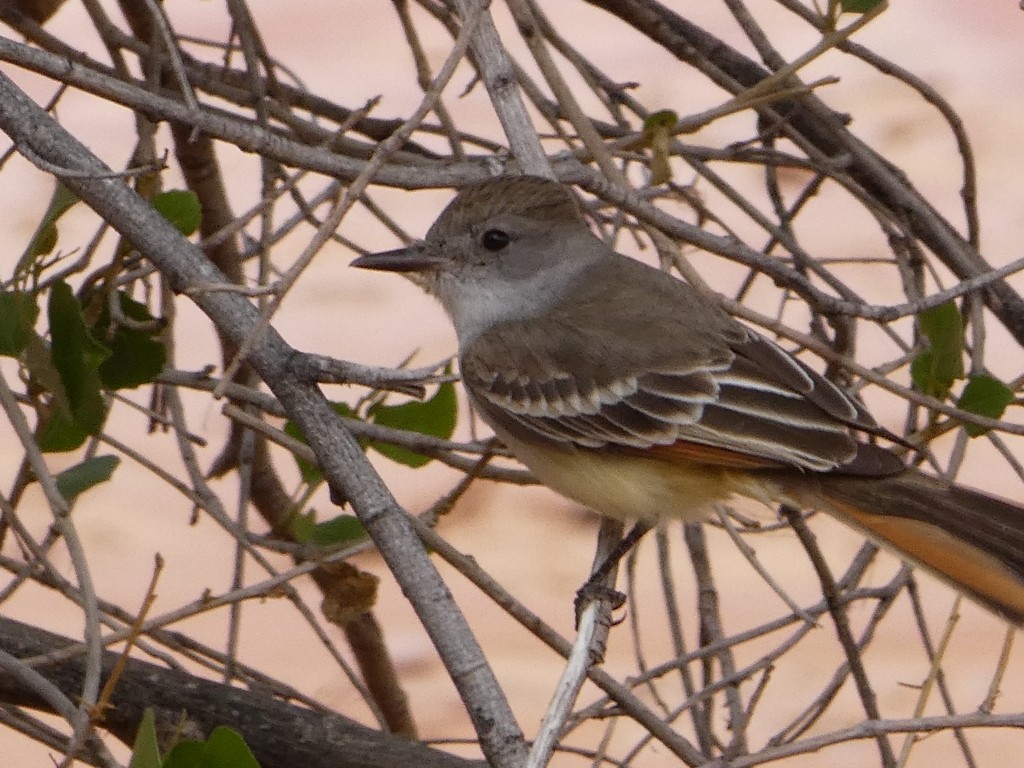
x=415 y=258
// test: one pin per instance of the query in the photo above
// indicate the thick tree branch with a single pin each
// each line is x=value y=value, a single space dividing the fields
x=280 y=734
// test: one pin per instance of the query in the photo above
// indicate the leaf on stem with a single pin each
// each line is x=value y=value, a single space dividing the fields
x=935 y=368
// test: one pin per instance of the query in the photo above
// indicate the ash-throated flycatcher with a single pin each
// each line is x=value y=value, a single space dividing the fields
x=626 y=390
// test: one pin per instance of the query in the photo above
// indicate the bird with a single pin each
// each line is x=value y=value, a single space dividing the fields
x=629 y=391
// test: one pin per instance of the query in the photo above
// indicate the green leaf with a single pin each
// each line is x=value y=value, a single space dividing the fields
x=935 y=368
x=146 y=749
x=45 y=238
x=60 y=433
x=186 y=754
x=44 y=373
x=227 y=748
x=224 y=749
x=301 y=526
x=18 y=313
x=986 y=396
x=136 y=356
x=859 y=6
x=435 y=417
x=662 y=120
x=75 y=480
x=338 y=530
x=77 y=357
x=921 y=372
x=181 y=208
x=342 y=529
x=657 y=136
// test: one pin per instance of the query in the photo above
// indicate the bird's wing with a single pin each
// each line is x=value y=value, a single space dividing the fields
x=671 y=375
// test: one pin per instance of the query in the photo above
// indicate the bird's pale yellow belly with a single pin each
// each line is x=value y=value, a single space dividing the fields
x=633 y=487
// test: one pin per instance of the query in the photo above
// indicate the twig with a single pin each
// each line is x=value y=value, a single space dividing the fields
x=872 y=729
x=587 y=650
x=62 y=519
x=328 y=370
x=161 y=22
x=701 y=725
x=989 y=702
x=147 y=602
x=934 y=672
x=839 y=616
x=620 y=693
x=492 y=60
x=750 y=554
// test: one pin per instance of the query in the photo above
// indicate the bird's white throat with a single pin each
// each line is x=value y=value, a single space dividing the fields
x=476 y=303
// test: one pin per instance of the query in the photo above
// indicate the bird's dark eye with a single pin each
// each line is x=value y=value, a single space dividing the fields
x=495 y=239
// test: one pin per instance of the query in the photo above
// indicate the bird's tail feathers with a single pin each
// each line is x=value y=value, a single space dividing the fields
x=968 y=538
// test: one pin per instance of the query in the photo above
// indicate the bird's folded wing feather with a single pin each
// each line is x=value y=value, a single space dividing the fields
x=654 y=368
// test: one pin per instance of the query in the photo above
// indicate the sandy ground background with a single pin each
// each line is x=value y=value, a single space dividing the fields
x=529 y=539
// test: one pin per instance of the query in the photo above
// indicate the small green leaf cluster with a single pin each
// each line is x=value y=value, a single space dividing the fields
x=95 y=342
x=657 y=136
x=435 y=417
x=859 y=6
x=940 y=364
x=224 y=748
